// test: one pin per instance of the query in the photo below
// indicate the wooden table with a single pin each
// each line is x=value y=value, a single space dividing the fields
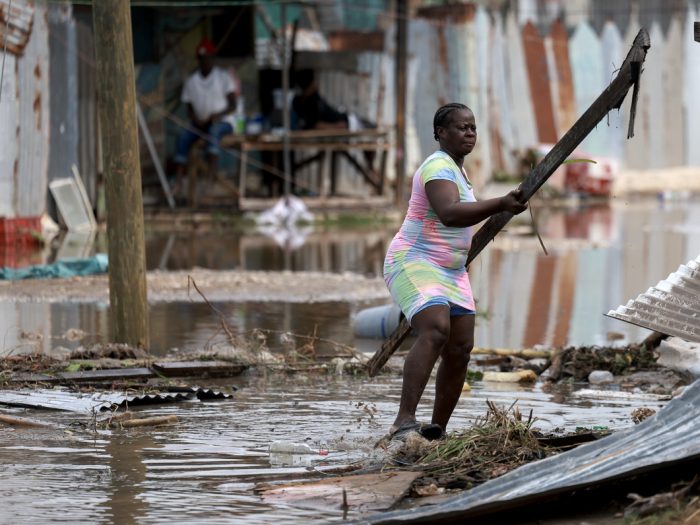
x=327 y=146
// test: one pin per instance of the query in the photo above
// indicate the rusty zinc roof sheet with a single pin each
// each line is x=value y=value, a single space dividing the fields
x=671 y=436
x=671 y=307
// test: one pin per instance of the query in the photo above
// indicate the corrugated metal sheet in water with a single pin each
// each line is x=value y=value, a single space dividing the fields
x=671 y=307
x=671 y=435
x=96 y=401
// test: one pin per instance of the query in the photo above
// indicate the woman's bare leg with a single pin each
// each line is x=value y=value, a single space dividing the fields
x=433 y=327
x=452 y=370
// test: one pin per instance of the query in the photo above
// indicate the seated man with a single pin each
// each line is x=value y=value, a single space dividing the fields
x=313 y=112
x=210 y=95
x=311 y=109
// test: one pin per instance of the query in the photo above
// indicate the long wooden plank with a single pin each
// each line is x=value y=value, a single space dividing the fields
x=612 y=97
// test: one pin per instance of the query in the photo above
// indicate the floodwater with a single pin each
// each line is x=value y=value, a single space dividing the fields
x=203 y=469
x=599 y=256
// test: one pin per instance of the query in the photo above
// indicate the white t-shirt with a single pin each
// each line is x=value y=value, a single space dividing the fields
x=209 y=95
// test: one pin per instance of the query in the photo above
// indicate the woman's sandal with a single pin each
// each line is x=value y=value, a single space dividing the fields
x=429 y=431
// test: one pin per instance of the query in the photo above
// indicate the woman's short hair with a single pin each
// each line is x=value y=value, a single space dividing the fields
x=442 y=116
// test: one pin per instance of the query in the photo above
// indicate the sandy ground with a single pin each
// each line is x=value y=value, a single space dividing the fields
x=215 y=285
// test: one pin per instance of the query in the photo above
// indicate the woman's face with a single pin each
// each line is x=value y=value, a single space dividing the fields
x=458 y=137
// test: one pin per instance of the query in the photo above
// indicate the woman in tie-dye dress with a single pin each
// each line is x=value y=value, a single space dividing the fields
x=424 y=270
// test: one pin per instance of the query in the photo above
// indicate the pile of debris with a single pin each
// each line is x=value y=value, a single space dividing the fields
x=497 y=443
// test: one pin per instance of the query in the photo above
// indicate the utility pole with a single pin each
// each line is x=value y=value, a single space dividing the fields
x=116 y=92
x=401 y=12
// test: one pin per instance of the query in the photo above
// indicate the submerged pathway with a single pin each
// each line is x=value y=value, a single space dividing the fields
x=301 y=287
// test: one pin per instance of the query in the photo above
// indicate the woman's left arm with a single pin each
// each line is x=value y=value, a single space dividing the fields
x=443 y=196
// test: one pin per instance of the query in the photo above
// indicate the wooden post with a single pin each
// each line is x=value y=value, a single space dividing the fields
x=401 y=50
x=116 y=92
x=697 y=31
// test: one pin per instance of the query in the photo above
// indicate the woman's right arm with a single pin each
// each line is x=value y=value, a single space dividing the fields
x=443 y=196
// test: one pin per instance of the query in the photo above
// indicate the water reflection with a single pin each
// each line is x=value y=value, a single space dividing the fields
x=358 y=251
x=600 y=256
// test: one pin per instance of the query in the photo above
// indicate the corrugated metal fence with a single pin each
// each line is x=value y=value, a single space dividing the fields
x=529 y=75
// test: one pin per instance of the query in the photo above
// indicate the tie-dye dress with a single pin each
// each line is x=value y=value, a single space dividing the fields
x=425 y=261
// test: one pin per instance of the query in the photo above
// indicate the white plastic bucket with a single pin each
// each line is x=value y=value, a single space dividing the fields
x=377 y=322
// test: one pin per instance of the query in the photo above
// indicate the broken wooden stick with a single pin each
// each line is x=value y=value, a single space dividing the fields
x=23 y=422
x=146 y=422
x=613 y=96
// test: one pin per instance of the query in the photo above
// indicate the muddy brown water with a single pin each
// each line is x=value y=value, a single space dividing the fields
x=203 y=469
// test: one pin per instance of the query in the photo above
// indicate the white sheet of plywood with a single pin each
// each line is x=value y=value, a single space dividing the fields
x=673 y=74
x=524 y=125
x=73 y=203
x=585 y=55
x=612 y=57
x=691 y=87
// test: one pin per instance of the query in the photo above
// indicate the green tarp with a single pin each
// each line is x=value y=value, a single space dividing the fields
x=60 y=269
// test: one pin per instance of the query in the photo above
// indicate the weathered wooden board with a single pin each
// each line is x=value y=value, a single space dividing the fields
x=106 y=375
x=538 y=79
x=673 y=78
x=363 y=492
x=198 y=368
